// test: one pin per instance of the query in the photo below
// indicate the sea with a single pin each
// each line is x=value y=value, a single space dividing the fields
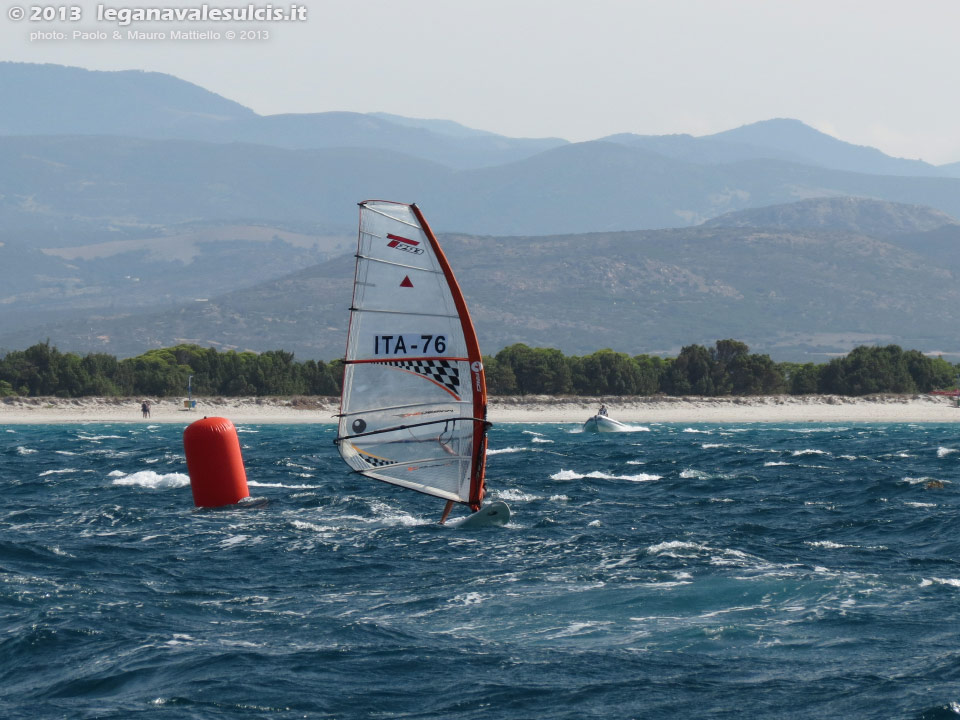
x=673 y=571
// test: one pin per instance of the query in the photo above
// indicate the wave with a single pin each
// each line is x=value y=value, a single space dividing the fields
x=516 y=496
x=150 y=479
x=597 y=475
x=952 y=582
x=924 y=480
x=257 y=483
x=828 y=544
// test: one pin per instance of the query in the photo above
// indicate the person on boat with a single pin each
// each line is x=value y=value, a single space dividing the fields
x=603 y=410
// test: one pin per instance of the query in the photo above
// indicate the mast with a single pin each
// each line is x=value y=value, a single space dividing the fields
x=478 y=375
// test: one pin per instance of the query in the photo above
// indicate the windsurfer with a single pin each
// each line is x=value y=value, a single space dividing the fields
x=446 y=511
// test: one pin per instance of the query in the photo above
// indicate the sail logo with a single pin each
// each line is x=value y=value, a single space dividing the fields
x=477 y=367
x=405 y=244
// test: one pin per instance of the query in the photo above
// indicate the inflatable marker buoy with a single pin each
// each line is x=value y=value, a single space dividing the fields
x=214 y=463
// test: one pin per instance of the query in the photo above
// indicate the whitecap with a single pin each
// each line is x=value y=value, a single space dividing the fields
x=580 y=628
x=302 y=525
x=597 y=475
x=672 y=546
x=240 y=540
x=257 y=483
x=470 y=598
x=542 y=440
x=21 y=450
x=918 y=480
x=500 y=451
x=801 y=453
x=778 y=463
x=920 y=505
x=694 y=475
x=516 y=495
x=391 y=516
x=58 y=472
x=944 y=451
x=150 y=479
x=952 y=582
x=828 y=544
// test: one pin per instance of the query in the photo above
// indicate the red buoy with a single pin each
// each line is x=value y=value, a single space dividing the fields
x=214 y=462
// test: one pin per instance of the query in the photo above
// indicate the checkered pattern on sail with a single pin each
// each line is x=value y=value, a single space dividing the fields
x=373 y=460
x=442 y=372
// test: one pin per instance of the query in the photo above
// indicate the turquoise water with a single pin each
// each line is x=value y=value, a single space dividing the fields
x=794 y=571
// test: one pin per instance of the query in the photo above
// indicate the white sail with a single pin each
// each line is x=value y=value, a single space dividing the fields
x=413 y=408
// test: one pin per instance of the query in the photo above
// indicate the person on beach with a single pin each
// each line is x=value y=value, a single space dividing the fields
x=145 y=408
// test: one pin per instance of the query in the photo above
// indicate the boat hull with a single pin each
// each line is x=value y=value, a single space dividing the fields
x=602 y=423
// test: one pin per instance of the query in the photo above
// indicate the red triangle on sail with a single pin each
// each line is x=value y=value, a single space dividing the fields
x=406 y=282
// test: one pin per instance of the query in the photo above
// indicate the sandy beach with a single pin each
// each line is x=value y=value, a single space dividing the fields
x=525 y=409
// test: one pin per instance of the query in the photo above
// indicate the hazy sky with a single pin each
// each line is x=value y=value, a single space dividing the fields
x=879 y=73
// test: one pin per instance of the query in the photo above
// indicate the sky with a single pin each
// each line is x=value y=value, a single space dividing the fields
x=879 y=73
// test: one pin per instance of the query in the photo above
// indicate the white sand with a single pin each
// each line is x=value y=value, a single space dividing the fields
x=528 y=409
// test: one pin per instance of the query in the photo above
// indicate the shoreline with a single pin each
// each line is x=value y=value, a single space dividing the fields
x=912 y=408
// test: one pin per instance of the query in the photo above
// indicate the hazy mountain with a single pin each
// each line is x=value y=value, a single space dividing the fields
x=702 y=149
x=57 y=100
x=851 y=214
x=794 y=294
x=953 y=169
x=785 y=135
x=781 y=139
x=120 y=184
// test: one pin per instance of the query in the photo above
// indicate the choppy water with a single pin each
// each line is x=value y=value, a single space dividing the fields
x=795 y=571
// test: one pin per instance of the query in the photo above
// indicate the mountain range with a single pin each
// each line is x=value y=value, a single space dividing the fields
x=138 y=210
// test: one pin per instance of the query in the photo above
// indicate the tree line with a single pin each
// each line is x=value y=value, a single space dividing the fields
x=727 y=368
x=43 y=370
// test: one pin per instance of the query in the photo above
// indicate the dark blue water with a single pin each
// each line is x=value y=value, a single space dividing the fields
x=794 y=571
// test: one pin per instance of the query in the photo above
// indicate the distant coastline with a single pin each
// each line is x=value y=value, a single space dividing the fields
x=885 y=408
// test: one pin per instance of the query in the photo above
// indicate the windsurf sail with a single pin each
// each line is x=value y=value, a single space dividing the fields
x=413 y=411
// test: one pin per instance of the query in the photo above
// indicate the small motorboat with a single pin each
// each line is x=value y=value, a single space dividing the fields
x=602 y=423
